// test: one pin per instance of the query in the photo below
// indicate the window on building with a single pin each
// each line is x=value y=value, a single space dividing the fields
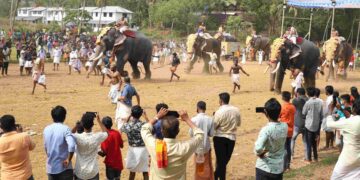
x=56 y=13
x=24 y=11
x=39 y=12
x=96 y=14
x=110 y=14
x=105 y=14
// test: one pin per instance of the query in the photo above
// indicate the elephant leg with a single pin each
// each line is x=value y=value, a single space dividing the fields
x=219 y=65
x=206 y=65
x=146 y=62
x=330 y=72
x=147 y=70
x=279 y=78
x=336 y=68
x=136 y=72
x=309 y=80
x=272 y=81
x=191 y=64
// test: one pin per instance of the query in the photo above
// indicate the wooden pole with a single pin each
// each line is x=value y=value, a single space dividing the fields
x=357 y=42
x=283 y=18
x=311 y=18
x=333 y=14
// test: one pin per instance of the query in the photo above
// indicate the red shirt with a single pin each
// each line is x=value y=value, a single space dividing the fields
x=111 y=147
x=287 y=116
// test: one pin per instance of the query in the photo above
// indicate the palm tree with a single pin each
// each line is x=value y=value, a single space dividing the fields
x=101 y=4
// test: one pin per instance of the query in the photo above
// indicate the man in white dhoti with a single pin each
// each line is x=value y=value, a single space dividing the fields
x=235 y=75
x=123 y=109
x=348 y=164
x=57 y=56
x=212 y=62
x=137 y=158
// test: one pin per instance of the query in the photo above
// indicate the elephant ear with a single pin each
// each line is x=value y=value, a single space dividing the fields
x=296 y=51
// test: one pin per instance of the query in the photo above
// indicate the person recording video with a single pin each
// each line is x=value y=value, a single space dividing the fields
x=269 y=146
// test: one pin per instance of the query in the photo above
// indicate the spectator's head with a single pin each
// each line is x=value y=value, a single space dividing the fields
x=7 y=123
x=286 y=96
x=161 y=105
x=272 y=109
x=107 y=122
x=224 y=98
x=329 y=90
x=311 y=92
x=356 y=107
x=87 y=121
x=170 y=127
x=354 y=92
x=127 y=79
x=300 y=91
x=345 y=99
x=317 y=92
x=79 y=127
x=58 y=114
x=201 y=106
x=136 y=112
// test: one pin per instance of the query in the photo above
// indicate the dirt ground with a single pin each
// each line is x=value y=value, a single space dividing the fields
x=79 y=95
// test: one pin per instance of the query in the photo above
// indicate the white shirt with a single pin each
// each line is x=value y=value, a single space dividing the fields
x=348 y=164
x=327 y=103
x=226 y=120
x=73 y=55
x=57 y=53
x=206 y=124
x=86 y=166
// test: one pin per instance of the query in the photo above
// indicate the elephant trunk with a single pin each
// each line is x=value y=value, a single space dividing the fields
x=120 y=64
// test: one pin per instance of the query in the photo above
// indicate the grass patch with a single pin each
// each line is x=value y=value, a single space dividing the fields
x=308 y=171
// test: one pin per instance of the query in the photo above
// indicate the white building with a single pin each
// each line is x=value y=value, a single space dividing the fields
x=54 y=14
x=107 y=15
x=103 y=16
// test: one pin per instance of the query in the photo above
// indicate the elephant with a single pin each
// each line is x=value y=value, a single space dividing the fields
x=337 y=54
x=133 y=49
x=303 y=56
x=196 y=48
x=260 y=43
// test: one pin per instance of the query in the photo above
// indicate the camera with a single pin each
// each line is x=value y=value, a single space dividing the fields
x=260 y=109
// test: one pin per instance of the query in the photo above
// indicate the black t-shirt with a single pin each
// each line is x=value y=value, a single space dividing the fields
x=176 y=61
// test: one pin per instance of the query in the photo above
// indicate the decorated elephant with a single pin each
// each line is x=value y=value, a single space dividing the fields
x=259 y=43
x=133 y=47
x=337 y=54
x=303 y=56
x=197 y=47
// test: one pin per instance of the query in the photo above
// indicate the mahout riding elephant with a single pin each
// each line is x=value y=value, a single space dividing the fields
x=260 y=43
x=303 y=56
x=197 y=47
x=337 y=54
x=137 y=48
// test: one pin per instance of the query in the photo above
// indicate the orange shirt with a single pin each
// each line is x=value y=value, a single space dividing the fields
x=287 y=116
x=237 y=54
x=14 y=156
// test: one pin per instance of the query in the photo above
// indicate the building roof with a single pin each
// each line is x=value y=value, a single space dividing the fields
x=38 y=9
x=54 y=9
x=113 y=9
x=88 y=8
x=25 y=8
x=27 y=18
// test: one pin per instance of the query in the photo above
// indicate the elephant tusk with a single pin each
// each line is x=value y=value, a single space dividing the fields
x=192 y=57
x=276 y=69
x=267 y=68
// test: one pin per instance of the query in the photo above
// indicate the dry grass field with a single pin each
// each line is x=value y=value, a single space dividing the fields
x=79 y=95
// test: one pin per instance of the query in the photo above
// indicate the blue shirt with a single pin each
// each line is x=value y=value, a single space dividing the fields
x=58 y=142
x=128 y=92
x=272 y=139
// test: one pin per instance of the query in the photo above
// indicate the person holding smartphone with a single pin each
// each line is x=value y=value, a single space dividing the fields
x=88 y=142
x=269 y=146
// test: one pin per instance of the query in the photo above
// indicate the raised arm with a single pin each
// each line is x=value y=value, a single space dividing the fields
x=244 y=71
x=103 y=128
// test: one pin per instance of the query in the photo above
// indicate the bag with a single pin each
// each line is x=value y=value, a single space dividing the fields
x=47 y=55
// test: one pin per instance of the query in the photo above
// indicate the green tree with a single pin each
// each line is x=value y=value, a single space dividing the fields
x=74 y=16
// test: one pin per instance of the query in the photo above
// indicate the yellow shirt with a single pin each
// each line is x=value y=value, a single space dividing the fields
x=178 y=154
x=14 y=156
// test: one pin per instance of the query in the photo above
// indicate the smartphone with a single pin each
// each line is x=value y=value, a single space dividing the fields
x=94 y=113
x=173 y=113
x=260 y=110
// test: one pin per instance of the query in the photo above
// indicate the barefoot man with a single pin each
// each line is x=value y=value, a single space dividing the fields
x=174 y=64
x=235 y=76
